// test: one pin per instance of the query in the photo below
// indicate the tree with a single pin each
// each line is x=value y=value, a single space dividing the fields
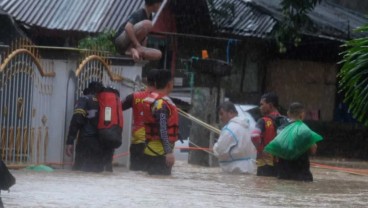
x=353 y=76
x=295 y=18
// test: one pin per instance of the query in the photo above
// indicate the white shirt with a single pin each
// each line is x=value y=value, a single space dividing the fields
x=234 y=148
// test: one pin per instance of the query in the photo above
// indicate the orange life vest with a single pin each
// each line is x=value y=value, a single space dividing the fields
x=269 y=133
x=151 y=125
x=270 y=130
x=138 y=115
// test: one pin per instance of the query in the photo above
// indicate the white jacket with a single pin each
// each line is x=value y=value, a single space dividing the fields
x=234 y=148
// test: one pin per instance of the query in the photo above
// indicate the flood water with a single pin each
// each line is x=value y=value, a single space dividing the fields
x=189 y=186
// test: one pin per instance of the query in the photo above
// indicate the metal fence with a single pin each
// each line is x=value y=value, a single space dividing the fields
x=25 y=89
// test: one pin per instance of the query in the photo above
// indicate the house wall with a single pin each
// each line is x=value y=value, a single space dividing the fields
x=245 y=84
x=62 y=108
x=247 y=57
x=311 y=83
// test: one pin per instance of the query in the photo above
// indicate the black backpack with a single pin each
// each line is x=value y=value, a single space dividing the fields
x=280 y=122
x=7 y=180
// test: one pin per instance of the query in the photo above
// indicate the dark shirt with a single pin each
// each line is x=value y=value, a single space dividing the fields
x=85 y=119
x=134 y=18
x=128 y=102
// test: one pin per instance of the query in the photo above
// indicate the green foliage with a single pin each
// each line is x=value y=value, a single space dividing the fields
x=294 y=19
x=101 y=42
x=353 y=76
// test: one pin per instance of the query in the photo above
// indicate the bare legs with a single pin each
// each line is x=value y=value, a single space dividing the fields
x=141 y=30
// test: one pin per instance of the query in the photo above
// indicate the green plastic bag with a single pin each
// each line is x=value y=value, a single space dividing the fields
x=40 y=168
x=293 y=141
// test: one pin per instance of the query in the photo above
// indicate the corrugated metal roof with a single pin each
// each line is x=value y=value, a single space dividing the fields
x=256 y=18
x=72 y=15
x=259 y=17
x=329 y=19
x=245 y=21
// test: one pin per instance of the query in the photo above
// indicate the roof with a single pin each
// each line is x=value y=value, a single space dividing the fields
x=252 y=18
x=329 y=19
x=259 y=18
x=1 y=10
x=90 y=16
x=246 y=20
x=8 y=29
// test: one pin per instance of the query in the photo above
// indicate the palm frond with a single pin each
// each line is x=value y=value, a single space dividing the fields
x=353 y=76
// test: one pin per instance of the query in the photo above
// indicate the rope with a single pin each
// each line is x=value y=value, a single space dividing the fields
x=128 y=82
x=202 y=148
x=361 y=172
x=200 y=122
x=181 y=112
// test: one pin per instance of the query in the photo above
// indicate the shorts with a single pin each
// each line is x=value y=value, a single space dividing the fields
x=122 y=43
x=156 y=165
x=298 y=170
x=267 y=170
x=137 y=160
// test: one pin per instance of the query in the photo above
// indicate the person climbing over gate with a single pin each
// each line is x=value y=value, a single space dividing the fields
x=131 y=37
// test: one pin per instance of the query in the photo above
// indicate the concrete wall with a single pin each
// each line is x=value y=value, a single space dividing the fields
x=311 y=83
x=341 y=140
x=249 y=63
x=62 y=103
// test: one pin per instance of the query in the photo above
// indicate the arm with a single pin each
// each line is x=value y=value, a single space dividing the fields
x=257 y=133
x=128 y=102
x=131 y=34
x=223 y=145
x=77 y=122
x=161 y=116
x=135 y=18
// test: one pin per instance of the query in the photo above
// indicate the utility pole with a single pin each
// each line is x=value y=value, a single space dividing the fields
x=206 y=97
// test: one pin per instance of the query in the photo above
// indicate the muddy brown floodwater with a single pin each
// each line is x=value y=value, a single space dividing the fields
x=189 y=186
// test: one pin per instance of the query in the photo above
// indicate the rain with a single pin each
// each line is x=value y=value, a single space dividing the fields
x=216 y=51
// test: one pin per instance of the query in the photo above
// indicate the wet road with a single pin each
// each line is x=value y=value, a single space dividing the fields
x=189 y=186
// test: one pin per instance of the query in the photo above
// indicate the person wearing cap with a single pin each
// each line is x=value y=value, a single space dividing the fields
x=131 y=37
x=89 y=153
x=79 y=148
